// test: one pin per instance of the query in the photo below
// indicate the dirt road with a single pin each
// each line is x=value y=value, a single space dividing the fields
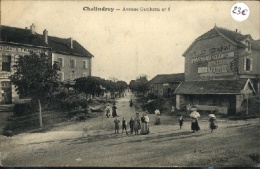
x=93 y=143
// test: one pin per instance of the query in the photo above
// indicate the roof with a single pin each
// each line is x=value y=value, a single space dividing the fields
x=233 y=37
x=25 y=37
x=20 y=36
x=168 y=78
x=211 y=87
x=61 y=45
x=256 y=44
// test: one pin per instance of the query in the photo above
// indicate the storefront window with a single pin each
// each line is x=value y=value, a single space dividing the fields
x=6 y=63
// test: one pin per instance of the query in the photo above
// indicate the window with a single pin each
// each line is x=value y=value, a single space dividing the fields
x=248 y=44
x=85 y=64
x=6 y=63
x=61 y=62
x=73 y=63
x=61 y=76
x=248 y=64
x=73 y=75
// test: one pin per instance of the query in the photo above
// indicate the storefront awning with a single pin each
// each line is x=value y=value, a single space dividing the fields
x=213 y=87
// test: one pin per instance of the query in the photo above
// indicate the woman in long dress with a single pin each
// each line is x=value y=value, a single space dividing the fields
x=194 y=120
x=114 y=114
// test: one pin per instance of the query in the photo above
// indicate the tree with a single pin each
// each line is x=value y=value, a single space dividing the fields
x=35 y=77
x=88 y=85
x=140 y=85
x=121 y=86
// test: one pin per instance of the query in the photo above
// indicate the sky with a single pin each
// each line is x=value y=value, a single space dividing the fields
x=127 y=44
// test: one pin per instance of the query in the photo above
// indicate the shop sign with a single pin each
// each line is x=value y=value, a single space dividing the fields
x=21 y=49
x=213 y=57
x=209 y=51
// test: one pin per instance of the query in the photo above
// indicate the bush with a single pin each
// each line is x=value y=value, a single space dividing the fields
x=74 y=101
x=23 y=109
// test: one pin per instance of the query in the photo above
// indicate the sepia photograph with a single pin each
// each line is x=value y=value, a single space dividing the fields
x=129 y=83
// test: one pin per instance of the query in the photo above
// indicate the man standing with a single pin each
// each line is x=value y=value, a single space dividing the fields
x=116 y=121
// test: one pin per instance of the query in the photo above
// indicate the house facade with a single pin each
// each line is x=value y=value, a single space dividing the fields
x=222 y=69
x=165 y=84
x=15 y=42
x=74 y=59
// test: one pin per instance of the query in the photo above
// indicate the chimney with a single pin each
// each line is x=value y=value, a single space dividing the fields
x=45 y=34
x=236 y=30
x=32 y=29
x=71 y=43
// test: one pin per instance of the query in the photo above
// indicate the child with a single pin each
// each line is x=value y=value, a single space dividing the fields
x=124 y=123
x=116 y=121
x=212 y=121
x=108 y=111
x=181 y=121
x=131 y=123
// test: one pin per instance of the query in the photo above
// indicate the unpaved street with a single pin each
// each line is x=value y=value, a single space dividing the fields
x=93 y=143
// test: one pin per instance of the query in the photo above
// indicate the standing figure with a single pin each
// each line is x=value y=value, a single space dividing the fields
x=108 y=111
x=212 y=122
x=116 y=121
x=194 y=119
x=130 y=103
x=181 y=121
x=146 y=122
x=131 y=123
x=158 y=120
x=124 y=123
x=138 y=120
x=114 y=114
x=136 y=127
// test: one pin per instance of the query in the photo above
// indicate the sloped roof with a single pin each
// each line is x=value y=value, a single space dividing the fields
x=211 y=87
x=168 y=78
x=25 y=37
x=20 y=36
x=232 y=36
x=256 y=44
x=61 y=45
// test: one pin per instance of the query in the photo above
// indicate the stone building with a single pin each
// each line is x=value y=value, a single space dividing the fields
x=222 y=69
x=15 y=42
x=74 y=59
x=164 y=85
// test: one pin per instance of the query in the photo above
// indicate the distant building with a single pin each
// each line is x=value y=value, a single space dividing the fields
x=164 y=85
x=74 y=59
x=222 y=69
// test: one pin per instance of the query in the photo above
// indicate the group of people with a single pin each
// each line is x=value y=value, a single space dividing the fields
x=194 y=120
x=114 y=113
x=142 y=123
x=135 y=124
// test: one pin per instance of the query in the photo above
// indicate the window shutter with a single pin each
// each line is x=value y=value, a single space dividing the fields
x=61 y=76
x=62 y=62
x=244 y=64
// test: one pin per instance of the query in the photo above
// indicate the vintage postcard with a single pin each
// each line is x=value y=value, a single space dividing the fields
x=129 y=83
